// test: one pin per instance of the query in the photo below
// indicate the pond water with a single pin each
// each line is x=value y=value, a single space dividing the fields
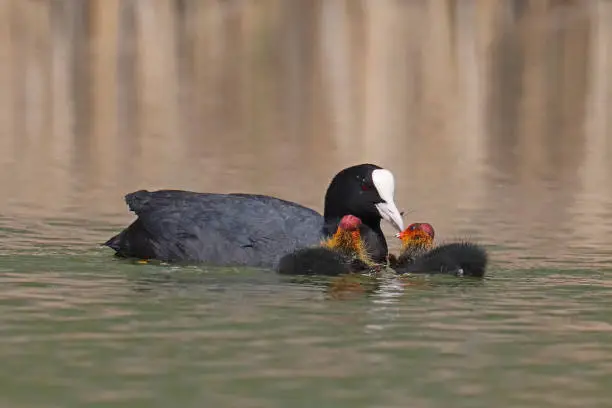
x=499 y=135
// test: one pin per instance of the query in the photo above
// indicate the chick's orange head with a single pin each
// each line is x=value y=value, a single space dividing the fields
x=419 y=231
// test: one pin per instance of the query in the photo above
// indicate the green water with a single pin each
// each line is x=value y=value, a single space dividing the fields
x=80 y=328
x=494 y=119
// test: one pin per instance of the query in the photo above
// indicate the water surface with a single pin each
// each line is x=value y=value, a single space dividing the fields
x=83 y=329
x=493 y=117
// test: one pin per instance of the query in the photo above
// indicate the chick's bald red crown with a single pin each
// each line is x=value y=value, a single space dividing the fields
x=349 y=223
x=417 y=228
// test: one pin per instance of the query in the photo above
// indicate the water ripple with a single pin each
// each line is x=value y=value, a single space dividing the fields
x=126 y=334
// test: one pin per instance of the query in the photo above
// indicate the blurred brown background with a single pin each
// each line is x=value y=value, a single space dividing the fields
x=494 y=115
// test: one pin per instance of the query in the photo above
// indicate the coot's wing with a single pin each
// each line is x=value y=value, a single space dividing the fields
x=221 y=229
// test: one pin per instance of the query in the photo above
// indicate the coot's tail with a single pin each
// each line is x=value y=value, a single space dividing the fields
x=458 y=258
x=135 y=242
x=114 y=242
x=137 y=202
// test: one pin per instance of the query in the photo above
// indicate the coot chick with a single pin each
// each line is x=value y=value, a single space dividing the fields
x=251 y=229
x=341 y=254
x=419 y=256
x=416 y=240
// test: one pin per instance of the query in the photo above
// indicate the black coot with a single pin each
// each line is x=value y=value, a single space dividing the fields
x=343 y=253
x=254 y=230
x=418 y=255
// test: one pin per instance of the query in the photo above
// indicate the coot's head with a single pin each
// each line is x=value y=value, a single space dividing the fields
x=419 y=235
x=366 y=191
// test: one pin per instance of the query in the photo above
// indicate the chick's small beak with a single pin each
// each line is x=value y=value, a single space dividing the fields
x=406 y=235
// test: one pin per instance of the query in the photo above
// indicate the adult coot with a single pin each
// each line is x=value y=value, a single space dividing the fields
x=343 y=253
x=418 y=254
x=251 y=229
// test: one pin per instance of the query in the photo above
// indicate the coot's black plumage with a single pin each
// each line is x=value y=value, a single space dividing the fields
x=419 y=256
x=343 y=253
x=251 y=229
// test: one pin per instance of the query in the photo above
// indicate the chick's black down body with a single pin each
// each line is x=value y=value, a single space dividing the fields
x=457 y=258
x=320 y=261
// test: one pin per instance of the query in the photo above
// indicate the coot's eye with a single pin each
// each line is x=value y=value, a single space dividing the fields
x=365 y=186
